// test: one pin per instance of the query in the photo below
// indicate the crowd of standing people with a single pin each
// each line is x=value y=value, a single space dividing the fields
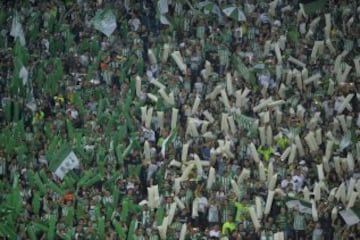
x=187 y=122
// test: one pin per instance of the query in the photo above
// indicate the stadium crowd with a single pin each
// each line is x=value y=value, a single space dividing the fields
x=186 y=121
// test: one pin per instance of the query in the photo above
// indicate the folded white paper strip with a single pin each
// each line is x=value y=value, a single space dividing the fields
x=320 y=172
x=184 y=152
x=229 y=85
x=244 y=175
x=350 y=188
x=177 y=185
x=318 y=136
x=350 y=162
x=357 y=65
x=326 y=165
x=279 y=236
x=225 y=99
x=292 y=155
x=147 y=153
x=299 y=146
x=164 y=96
x=200 y=170
x=259 y=207
x=254 y=218
x=204 y=126
x=272 y=183
x=334 y=213
x=332 y=194
x=285 y=154
x=208 y=116
x=327 y=28
x=331 y=88
x=214 y=93
x=314 y=211
x=153 y=97
x=312 y=27
x=235 y=188
x=211 y=178
x=138 y=86
x=195 y=208
x=209 y=135
x=341 y=193
x=306 y=193
x=345 y=103
x=160 y=119
x=337 y=165
x=208 y=68
x=152 y=57
x=278 y=72
x=232 y=124
x=282 y=90
x=269 y=135
x=317 y=191
x=317 y=48
x=330 y=46
x=289 y=77
x=314 y=78
x=269 y=201
x=179 y=203
x=261 y=169
x=262 y=135
x=179 y=61
x=153 y=196
x=311 y=142
x=329 y=149
x=270 y=172
x=341 y=76
x=267 y=47
x=171 y=98
x=352 y=200
x=282 y=41
x=163 y=229
x=263 y=103
x=278 y=117
x=296 y=62
x=186 y=172
x=278 y=52
x=196 y=105
x=165 y=53
x=224 y=123
x=174 y=116
x=171 y=213
x=254 y=153
x=183 y=232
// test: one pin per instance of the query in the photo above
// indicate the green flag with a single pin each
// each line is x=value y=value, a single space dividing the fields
x=313 y=7
x=105 y=21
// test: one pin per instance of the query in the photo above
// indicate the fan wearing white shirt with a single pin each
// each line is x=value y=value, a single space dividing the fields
x=298 y=180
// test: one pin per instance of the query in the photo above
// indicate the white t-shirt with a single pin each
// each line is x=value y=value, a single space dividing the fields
x=202 y=203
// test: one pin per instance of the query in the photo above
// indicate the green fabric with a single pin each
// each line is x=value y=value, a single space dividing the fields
x=125 y=210
x=36 y=203
x=313 y=7
x=131 y=232
x=93 y=180
x=52 y=225
x=159 y=216
x=39 y=184
x=30 y=232
x=7 y=231
x=293 y=35
x=70 y=216
x=55 y=188
x=119 y=229
x=101 y=228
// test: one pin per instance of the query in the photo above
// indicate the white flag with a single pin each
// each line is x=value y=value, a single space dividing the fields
x=70 y=162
